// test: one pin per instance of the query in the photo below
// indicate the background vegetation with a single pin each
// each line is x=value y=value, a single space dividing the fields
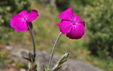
x=95 y=47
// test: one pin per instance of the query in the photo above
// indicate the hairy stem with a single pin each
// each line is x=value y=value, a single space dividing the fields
x=33 y=40
x=54 y=47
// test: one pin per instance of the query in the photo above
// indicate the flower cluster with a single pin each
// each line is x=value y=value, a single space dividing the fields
x=71 y=24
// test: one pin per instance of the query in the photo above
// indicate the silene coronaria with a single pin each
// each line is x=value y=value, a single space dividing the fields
x=20 y=21
x=71 y=24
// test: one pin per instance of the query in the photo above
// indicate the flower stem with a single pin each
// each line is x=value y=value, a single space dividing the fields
x=54 y=47
x=33 y=40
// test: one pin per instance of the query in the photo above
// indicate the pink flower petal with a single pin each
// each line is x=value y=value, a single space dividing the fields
x=77 y=18
x=81 y=29
x=15 y=19
x=23 y=14
x=12 y=22
x=18 y=23
x=76 y=31
x=22 y=27
x=32 y=16
x=83 y=22
x=67 y=14
x=70 y=36
x=73 y=34
x=65 y=27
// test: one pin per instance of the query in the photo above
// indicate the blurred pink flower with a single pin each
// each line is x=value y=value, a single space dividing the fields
x=71 y=24
x=20 y=21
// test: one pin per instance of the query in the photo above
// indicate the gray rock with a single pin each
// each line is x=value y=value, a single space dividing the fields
x=43 y=58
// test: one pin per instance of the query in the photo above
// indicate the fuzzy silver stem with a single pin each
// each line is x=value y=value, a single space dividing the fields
x=54 y=47
x=33 y=40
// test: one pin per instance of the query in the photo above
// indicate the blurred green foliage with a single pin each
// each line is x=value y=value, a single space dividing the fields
x=3 y=62
x=20 y=65
x=82 y=2
x=62 y=4
x=99 y=20
x=2 y=58
x=65 y=4
x=8 y=8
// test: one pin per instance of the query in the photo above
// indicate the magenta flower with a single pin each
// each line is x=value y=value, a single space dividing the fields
x=71 y=24
x=20 y=21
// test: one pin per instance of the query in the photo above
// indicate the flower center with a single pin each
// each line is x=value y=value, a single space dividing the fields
x=25 y=18
x=73 y=21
